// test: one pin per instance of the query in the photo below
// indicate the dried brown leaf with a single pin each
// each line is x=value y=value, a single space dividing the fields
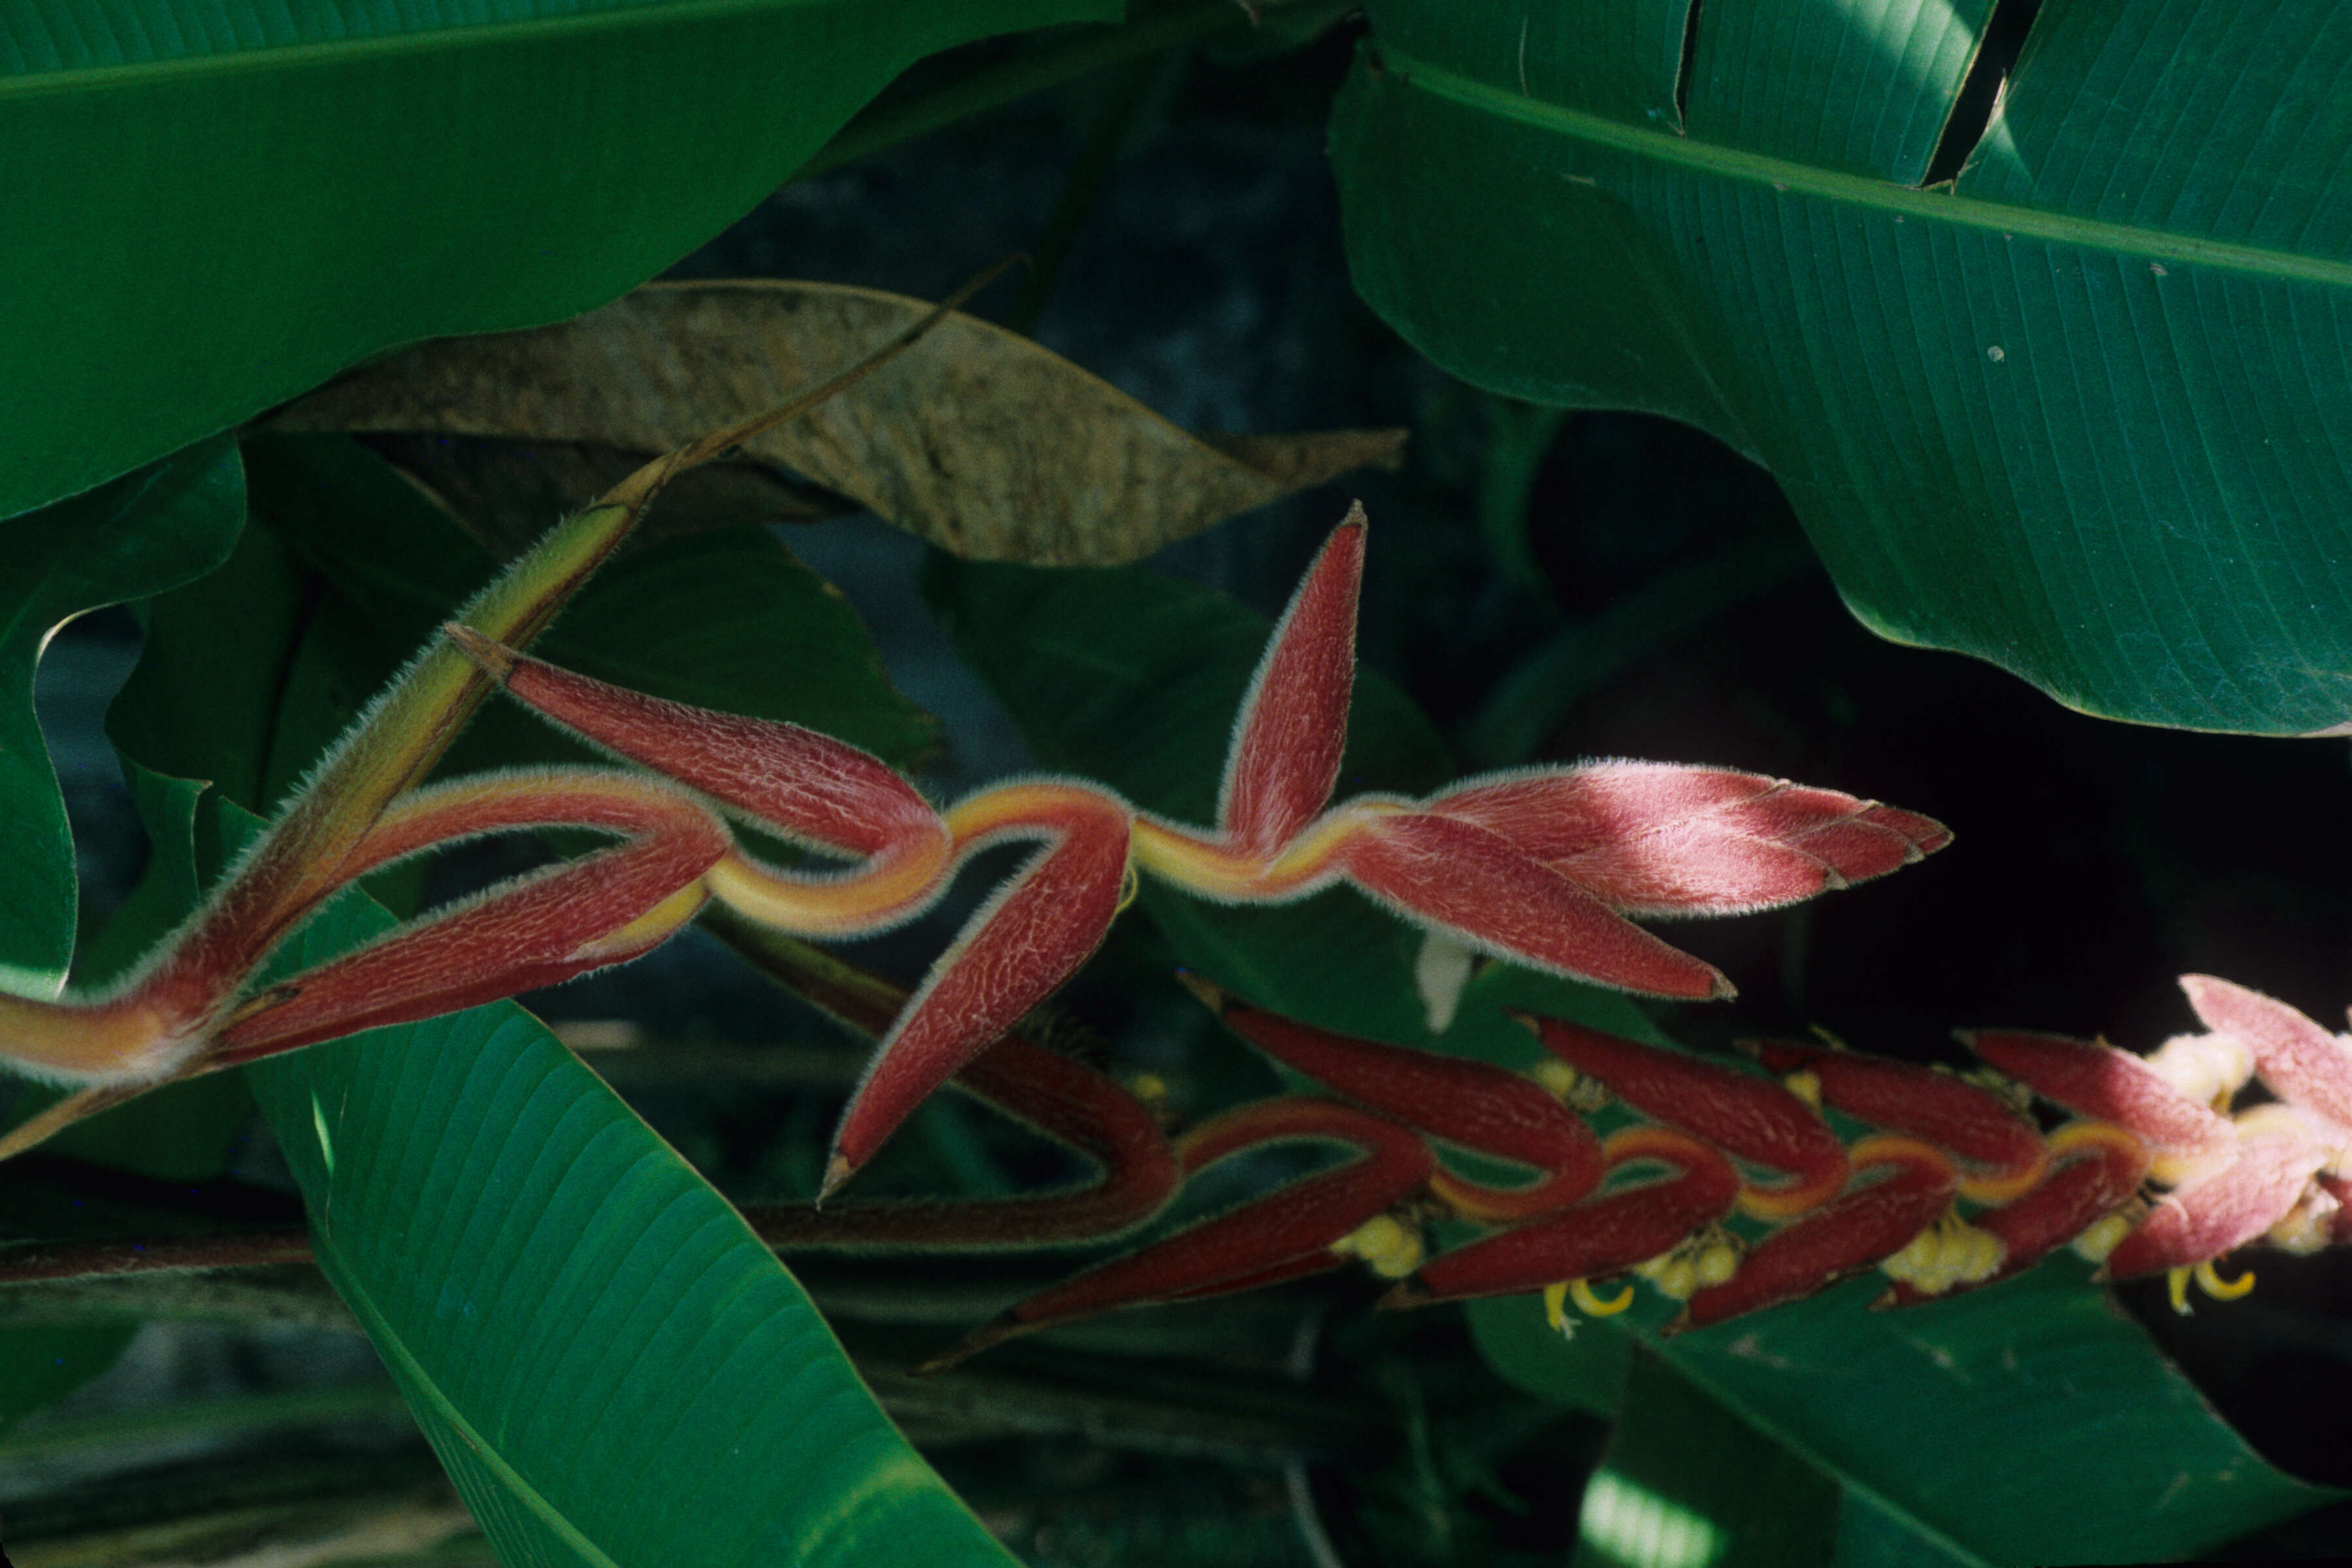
x=983 y=443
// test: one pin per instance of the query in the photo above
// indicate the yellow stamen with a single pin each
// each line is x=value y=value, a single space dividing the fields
x=2209 y=1281
x=1592 y=1306
x=1805 y=1086
x=2176 y=1285
x=1555 y=1299
x=1717 y=1262
x=1554 y=1077
x=2103 y=1236
x=1392 y=1247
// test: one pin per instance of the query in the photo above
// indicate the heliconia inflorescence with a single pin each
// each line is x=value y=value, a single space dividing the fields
x=1542 y=866
x=1958 y=1190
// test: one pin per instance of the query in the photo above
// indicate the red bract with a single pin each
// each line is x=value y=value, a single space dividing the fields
x=1598 y=1238
x=1746 y=1117
x=536 y=929
x=2219 y=1210
x=2301 y=1063
x=170 y=1018
x=1065 y=1100
x=1470 y=1105
x=1662 y=838
x=2094 y=1171
x=1463 y=879
x=1914 y=1185
x=1963 y=1191
x=1533 y=868
x=1286 y=751
x=2005 y=1152
x=1292 y=1233
x=2095 y=1079
x=1013 y=955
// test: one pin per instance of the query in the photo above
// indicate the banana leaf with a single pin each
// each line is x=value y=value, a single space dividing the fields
x=214 y=205
x=2082 y=409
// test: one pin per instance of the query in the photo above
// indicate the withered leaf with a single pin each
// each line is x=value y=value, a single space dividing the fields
x=982 y=442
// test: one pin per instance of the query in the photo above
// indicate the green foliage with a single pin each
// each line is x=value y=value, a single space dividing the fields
x=613 y=1368
x=215 y=205
x=2080 y=413
x=46 y=1363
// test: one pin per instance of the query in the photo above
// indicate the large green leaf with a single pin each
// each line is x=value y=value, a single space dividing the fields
x=610 y=1366
x=2086 y=412
x=216 y=204
x=143 y=533
x=1944 y=1425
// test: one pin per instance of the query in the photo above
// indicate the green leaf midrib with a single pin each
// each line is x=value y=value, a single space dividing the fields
x=389 y=1343
x=1943 y=206
x=292 y=57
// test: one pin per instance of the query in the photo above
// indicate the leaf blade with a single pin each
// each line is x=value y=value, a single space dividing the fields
x=194 y=198
x=984 y=444
x=590 y=1355
x=2019 y=419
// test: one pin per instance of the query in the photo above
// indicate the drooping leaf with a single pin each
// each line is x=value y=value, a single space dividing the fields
x=982 y=442
x=1947 y=1421
x=610 y=1366
x=143 y=533
x=215 y=205
x=2083 y=412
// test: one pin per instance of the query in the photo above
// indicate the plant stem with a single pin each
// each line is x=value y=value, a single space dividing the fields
x=104 y=1260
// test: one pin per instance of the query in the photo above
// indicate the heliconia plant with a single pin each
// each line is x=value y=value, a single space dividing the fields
x=1542 y=867
x=1728 y=1192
